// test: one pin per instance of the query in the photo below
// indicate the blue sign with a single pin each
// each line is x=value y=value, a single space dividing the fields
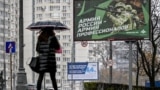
x=10 y=47
x=77 y=68
x=82 y=70
x=157 y=84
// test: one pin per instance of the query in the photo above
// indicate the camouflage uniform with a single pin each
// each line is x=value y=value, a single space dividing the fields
x=124 y=18
x=135 y=18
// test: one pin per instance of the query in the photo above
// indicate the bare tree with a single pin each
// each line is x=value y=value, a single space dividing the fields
x=151 y=47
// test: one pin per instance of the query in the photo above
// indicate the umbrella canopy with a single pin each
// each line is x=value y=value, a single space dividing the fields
x=50 y=25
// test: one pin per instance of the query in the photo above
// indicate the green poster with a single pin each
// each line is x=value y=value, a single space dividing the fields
x=111 y=19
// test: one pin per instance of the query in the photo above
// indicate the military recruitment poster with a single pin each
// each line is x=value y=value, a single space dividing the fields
x=111 y=19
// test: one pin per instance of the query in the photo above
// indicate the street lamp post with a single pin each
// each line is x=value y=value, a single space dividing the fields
x=21 y=75
x=33 y=36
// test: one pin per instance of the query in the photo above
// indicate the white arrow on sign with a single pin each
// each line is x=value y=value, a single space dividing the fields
x=10 y=47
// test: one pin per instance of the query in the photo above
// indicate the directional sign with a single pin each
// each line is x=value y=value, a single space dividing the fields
x=10 y=47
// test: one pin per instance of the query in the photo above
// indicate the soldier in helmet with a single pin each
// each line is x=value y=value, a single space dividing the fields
x=120 y=7
x=136 y=19
x=128 y=8
x=123 y=17
x=133 y=14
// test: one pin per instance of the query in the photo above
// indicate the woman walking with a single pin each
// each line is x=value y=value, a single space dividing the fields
x=46 y=45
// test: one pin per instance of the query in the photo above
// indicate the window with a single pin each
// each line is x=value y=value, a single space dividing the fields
x=40 y=8
x=50 y=1
x=66 y=44
x=48 y=81
x=58 y=81
x=64 y=67
x=58 y=59
x=55 y=15
x=66 y=22
x=64 y=7
x=58 y=73
x=48 y=15
x=66 y=37
x=66 y=51
x=39 y=16
x=66 y=0
x=58 y=66
x=57 y=1
x=66 y=59
x=54 y=8
x=66 y=15
x=38 y=1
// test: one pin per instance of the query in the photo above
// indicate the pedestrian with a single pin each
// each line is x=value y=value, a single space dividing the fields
x=47 y=43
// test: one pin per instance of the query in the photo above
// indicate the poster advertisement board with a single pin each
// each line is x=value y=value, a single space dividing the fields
x=82 y=71
x=111 y=19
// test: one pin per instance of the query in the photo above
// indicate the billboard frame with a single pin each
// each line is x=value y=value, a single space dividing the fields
x=116 y=37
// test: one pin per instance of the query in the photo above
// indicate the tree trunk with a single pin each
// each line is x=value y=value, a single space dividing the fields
x=137 y=77
x=138 y=67
x=152 y=82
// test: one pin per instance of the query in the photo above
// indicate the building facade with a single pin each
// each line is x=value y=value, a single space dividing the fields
x=9 y=32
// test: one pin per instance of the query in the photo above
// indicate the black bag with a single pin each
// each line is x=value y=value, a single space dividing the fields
x=34 y=64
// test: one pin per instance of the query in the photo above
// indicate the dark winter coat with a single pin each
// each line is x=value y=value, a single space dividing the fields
x=46 y=50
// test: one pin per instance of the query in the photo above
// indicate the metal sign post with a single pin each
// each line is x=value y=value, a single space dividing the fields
x=130 y=65
x=73 y=60
x=110 y=67
x=11 y=68
x=10 y=48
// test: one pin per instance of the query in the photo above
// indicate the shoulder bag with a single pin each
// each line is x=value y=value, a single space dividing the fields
x=34 y=64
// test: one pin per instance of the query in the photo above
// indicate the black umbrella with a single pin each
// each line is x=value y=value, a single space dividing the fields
x=51 y=25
